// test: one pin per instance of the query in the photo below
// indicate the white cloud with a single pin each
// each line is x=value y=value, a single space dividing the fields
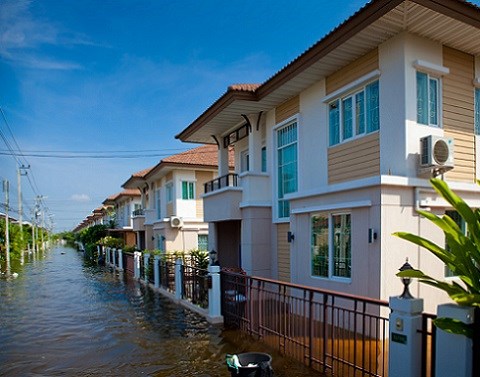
x=80 y=198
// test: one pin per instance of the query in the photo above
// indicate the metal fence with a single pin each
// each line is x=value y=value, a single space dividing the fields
x=195 y=285
x=167 y=274
x=331 y=332
x=429 y=335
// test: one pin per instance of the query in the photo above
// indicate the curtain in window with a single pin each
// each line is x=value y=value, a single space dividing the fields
x=433 y=101
x=342 y=256
x=334 y=123
x=373 y=118
x=360 y=112
x=422 y=98
x=347 y=117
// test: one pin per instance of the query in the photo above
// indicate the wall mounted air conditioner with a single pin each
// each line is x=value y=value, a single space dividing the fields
x=176 y=222
x=436 y=154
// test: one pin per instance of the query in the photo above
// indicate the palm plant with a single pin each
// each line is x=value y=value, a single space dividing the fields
x=462 y=256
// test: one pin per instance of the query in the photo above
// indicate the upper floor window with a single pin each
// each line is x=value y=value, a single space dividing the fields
x=188 y=190
x=244 y=161
x=331 y=245
x=158 y=203
x=169 y=190
x=355 y=114
x=264 y=159
x=477 y=111
x=203 y=242
x=287 y=166
x=428 y=99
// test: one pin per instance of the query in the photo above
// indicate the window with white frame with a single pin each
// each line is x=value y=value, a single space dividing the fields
x=169 y=191
x=244 y=161
x=477 y=111
x=287 y=158
x=188 y=190
x=428 y=99
x=203 y=242
x=331 y=245
x=354 y=115
x=158 y=203
x=264 y=159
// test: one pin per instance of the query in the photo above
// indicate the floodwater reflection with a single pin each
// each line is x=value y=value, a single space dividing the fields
x=64 y=317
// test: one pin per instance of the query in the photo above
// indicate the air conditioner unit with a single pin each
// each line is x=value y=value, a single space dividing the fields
x=176 y=222
x=436 y=153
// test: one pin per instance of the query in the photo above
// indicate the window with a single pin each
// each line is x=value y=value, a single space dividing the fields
x=264 y=159
x=158 y=203
x=287 y=166
x=455 y=216
x=244 y=161
x=354 y=115
x=428 y=98
x=169 y=189
x=203 y=242
x=331 y=245
x=188 y=190
x=477 y=111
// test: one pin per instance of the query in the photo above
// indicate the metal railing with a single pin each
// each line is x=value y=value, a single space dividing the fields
x=429 y=336
x=230 y=179
x=128 y=262
x=195 y=285
x=331 y=332
x=139 y=212
x=166 y=270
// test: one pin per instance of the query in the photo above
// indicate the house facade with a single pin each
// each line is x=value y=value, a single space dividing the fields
x=123 y=205
x=334 y=152
x=170 y=217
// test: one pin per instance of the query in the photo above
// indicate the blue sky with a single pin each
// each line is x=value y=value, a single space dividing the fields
x=117 y=75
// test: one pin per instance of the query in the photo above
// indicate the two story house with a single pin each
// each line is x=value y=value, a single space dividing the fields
x=334 y=152
x=170 y=217
x=123 y=205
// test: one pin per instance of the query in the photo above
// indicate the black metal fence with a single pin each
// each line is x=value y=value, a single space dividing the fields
x=331 y=332
x=195 y=285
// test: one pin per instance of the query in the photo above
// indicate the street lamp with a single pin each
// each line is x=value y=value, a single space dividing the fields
x=406 y=281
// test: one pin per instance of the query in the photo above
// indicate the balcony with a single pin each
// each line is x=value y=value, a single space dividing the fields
x=221 y=200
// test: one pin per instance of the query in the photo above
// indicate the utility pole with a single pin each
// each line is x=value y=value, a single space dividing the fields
x=20 y=204
x=6 y=188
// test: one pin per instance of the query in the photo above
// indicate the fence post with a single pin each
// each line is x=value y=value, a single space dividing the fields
x=114 y=258
x=120 y=260
x=454 y=352
x=178 y=279
x=136 y=264
x=405 y=340
x=156 y=271
x=107 y=255
x=146 y=266
x=214 y=295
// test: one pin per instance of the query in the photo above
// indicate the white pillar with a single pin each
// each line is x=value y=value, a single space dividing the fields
x=255 y=144
x=405 y=341
x=178 y=279
x=223 y=168
x=156 y=271
x=214 y=295
x=107 y=256
x=120 y=260
x=454 y=352
x=136 y=264
x=114 y=257
x=146 y=266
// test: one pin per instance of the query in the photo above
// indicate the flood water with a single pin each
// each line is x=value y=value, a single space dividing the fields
x=64 y=317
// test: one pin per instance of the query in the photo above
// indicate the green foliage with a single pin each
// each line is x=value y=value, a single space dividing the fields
x=110 y=241
x=462 y=256
x=129 y=249
x=93 y=234
x=19 y=241
x=200 y=258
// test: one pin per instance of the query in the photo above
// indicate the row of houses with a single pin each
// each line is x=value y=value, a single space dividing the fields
x=332 y=154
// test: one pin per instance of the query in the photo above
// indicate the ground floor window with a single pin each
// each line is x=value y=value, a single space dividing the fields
x=331 y=245
x=203 y=242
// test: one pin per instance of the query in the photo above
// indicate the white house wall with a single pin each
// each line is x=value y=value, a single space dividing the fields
x=185 y=209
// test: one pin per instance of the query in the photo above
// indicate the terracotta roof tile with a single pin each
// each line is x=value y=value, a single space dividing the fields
x=142 y=173
x=204 y=155
x=243 y=87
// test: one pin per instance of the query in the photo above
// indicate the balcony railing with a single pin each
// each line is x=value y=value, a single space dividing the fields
x=230 y=179
x=139 y=212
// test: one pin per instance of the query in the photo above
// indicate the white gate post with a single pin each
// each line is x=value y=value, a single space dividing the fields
x=107 y=256
x=136 y=264
x=454 y=352
x=120 y=260
x=405 y=340
x=156 y=271
x=214 y=295
x=178 y=279
x=114 y=257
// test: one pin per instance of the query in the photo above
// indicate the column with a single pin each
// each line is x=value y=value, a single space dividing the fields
x=178 y=279
x=405 y=341
x=156 y=271
x=146 y=258
x=120 y=260
x=136 y=264
x=223 y=168
x=214 y=295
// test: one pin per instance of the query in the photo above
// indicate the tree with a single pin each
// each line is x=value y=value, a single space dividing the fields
x=462 y=256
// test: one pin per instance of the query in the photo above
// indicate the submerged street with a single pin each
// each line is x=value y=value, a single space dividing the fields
x=64 y=317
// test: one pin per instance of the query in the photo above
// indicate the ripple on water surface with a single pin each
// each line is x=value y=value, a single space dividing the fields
x=62 y=317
